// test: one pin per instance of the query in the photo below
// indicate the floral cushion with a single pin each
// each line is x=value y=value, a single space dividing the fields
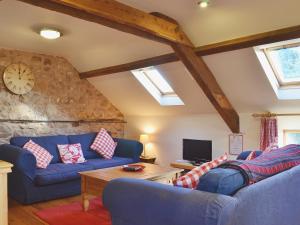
x=71 y=153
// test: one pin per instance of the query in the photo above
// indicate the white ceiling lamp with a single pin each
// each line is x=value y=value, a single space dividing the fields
x=50 y=33
x=203 y=3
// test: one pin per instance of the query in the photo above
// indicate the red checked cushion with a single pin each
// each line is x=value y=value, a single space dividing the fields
x=104 y=144
x=71 y=153
x=191 y=179
x=43 y=157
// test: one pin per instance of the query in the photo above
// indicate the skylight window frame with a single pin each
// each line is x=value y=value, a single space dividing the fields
x=286 y=92
x=163 y=98
x=158 y=88
x=280 y=77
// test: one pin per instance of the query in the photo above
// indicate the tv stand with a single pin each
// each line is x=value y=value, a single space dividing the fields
x=183 y=165
x=196 y=163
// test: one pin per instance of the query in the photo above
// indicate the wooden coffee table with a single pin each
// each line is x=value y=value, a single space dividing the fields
x=93 y=182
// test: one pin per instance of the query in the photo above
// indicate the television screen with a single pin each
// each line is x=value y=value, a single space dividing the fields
x=197 y=150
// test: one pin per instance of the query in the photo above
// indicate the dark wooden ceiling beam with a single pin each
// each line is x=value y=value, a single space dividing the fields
x=119 y=16
x=158 y=27
x=250 y=41
x=130 y=66
x=224 y=46
x=206 y=80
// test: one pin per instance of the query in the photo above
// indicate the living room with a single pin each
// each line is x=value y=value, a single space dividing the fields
x=125 y=84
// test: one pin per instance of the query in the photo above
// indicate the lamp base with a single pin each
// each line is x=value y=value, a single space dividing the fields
x=148 y=159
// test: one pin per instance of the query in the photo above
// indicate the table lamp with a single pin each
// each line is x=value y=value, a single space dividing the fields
x=144 y=139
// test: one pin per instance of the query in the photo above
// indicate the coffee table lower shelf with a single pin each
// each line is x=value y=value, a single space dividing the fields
x=94 y=182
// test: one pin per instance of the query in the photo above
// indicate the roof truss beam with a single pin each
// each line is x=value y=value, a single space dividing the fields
x=119 y=16
x=154 y=26
x=224 y=46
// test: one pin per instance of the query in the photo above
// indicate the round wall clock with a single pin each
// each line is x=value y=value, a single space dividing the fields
x=18 y=78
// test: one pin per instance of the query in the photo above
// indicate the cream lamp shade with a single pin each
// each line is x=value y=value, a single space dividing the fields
x=144 y=138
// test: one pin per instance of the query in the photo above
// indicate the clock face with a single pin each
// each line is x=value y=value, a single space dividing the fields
x=18 y=78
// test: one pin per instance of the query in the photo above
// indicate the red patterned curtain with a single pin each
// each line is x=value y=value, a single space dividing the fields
x=268 y=133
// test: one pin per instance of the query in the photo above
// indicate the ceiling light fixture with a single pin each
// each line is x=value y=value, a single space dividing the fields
x=203 y=3
x=49 y=33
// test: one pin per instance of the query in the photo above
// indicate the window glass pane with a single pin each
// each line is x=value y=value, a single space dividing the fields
x=159 y=81
x=157 y=86
x=287 y=63
x=292 y=137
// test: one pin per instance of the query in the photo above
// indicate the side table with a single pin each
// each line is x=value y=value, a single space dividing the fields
x=5 y=168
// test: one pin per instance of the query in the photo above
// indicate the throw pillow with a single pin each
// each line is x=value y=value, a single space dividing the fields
x=43 y=157
x=251 y=156
x=191 y=179
x=104 y=144
x=71 y=153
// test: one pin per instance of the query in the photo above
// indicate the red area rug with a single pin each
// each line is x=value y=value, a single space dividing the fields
x=73 y=214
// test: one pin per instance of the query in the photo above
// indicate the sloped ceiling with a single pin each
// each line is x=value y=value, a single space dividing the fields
x=89 y=46
x=238 y=73
x=86 y=45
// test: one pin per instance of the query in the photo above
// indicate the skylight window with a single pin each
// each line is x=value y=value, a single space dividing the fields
x=281 y=63
x=157 y=86
x=285 y=61
x=157 y=79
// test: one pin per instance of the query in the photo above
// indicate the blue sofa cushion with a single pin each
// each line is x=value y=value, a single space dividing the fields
x=222 y=180
x=59 y=172
x=104 y=163
x=128 y=149
x=86 y=140
x=48 y=142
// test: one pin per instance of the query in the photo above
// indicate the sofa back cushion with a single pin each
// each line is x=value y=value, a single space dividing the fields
x=222 y=181
x=191 y=179
x=47 y=142
x=86 y=140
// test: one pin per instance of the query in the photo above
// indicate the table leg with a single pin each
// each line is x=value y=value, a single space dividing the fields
x=85 y=202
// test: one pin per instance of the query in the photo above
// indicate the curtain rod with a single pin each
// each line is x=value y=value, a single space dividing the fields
x=269 y=114
x=63 y=121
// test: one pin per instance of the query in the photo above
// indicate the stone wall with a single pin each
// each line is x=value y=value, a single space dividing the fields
x=58 y=94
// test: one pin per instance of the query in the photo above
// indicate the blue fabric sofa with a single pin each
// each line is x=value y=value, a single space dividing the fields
x=273 y=201
x=27 y=184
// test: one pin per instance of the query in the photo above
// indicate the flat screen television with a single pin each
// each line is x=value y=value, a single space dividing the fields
x=197 y=150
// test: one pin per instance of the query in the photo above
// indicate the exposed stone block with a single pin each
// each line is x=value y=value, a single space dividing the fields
x=58 y=94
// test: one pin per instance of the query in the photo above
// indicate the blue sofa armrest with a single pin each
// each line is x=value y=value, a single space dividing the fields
x=136 y=202
x=128 y=148
x=23 y=160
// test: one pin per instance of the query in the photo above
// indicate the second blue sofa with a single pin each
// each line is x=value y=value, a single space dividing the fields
x=272 y=201
x=27 y=184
